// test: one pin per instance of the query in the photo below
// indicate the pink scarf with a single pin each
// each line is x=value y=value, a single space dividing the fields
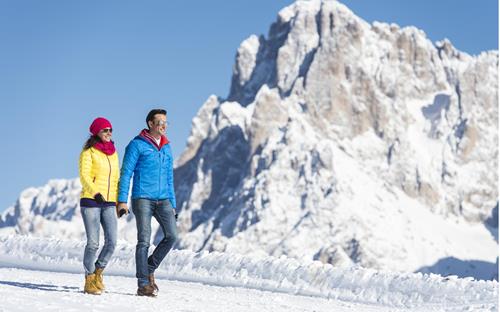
x=107 y=148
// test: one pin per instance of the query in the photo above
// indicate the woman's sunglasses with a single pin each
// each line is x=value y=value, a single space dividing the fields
x=107 y=130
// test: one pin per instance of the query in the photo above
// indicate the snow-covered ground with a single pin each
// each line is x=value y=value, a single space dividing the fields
x=50 y=271
x=55 y=291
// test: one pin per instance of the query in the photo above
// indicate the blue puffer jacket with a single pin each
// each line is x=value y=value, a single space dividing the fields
x=152 y=169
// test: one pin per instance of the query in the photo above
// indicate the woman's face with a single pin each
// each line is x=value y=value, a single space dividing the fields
x=105 y=134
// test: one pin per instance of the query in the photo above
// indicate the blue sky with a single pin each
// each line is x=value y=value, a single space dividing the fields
x=63 y=63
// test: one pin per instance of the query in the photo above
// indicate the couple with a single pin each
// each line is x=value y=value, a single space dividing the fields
x=149 y=158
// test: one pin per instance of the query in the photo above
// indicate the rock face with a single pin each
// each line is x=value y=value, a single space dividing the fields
x=339 y=141
x=345 y=142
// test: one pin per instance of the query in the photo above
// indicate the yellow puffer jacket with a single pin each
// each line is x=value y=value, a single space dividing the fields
x=99 y=173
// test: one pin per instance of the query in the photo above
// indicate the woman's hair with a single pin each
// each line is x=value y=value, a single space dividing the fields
x=91 y=141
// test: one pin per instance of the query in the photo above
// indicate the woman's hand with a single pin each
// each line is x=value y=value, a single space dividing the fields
x=99 y=198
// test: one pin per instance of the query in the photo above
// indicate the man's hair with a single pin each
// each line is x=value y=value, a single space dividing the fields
x=152 y=113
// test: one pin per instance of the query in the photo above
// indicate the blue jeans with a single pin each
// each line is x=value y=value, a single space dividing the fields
x=144 y=210
x=93 y=217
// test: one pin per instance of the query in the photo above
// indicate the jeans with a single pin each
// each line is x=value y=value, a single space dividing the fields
x=93 y=217
x=144 y=210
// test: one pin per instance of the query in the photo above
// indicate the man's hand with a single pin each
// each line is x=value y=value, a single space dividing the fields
x=175 y=214
x=121 y=209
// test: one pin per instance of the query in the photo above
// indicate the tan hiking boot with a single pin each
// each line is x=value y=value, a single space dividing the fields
x=152 y=282
x=90 y=285
x=98 y=279
x=147 y=290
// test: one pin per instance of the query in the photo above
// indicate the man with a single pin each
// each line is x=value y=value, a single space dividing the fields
x=149 y=157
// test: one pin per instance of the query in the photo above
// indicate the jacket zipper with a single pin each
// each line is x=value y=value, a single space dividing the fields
x=109 y=177
x=159 y=175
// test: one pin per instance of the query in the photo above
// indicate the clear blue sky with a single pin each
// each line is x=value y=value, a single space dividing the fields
x=62 y=63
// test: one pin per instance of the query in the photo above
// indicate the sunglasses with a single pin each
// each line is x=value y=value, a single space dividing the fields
x=107 y=130
x=162 y=123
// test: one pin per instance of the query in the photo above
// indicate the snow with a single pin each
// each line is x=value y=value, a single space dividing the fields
x=245 y=59
x=328 y=148
x=233 y=114
x=56 y=291
x=44 y=267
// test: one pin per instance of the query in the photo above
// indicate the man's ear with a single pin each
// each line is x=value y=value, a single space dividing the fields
x=150 y=124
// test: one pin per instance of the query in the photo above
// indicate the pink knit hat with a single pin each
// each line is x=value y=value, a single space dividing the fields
x=98 y=124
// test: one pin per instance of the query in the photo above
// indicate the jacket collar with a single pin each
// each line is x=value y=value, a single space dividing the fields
x=149 y=138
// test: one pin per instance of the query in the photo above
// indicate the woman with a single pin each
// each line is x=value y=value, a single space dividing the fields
x=99 y=174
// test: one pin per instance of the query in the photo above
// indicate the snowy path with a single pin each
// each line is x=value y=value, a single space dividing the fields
x=222 y=282
x=26 y=290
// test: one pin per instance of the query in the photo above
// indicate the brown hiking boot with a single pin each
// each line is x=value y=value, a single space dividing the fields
x=98 y=279
x=151 y=278
x=147 y=290
x=90 y=285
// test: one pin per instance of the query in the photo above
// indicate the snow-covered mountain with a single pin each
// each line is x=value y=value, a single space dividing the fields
x=50 y=210
x=53 y=210
x=340 y=141
x=348 y=143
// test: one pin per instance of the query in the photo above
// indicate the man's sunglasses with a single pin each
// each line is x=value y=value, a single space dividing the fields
x=161 y=123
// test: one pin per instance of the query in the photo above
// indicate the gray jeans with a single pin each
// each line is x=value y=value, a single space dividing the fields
x=93 y=218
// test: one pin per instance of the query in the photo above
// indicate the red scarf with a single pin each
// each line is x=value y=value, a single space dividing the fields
x=163 y=139
x=107 y=148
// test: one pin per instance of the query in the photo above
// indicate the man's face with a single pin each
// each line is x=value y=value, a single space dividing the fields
x=158 y=124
